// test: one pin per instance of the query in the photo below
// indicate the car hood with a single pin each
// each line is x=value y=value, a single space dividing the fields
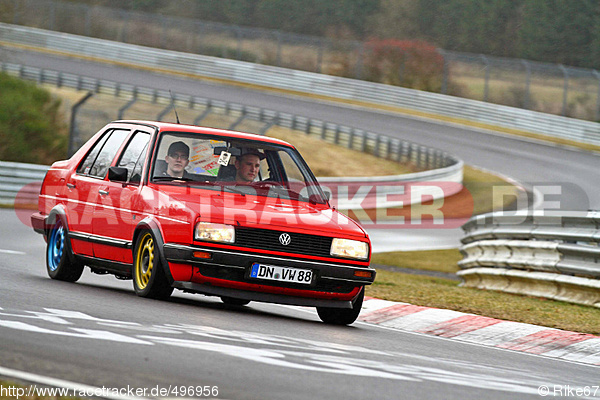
x=254 y=211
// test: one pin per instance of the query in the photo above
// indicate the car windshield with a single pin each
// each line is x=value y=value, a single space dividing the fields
x=247 y=167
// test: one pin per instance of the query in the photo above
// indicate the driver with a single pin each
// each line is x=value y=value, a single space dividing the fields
x=248 y=165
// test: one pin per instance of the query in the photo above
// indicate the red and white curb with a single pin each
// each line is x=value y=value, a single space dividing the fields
x=573 y=346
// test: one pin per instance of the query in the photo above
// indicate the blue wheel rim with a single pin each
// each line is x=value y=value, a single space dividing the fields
x=56 y=246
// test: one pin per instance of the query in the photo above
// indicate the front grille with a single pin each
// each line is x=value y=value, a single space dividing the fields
x=300 y=243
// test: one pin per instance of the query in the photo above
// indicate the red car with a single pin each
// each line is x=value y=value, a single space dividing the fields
x=203 y=210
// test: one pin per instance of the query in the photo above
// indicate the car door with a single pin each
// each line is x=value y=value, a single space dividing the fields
x=82 y=192
x=115 y=216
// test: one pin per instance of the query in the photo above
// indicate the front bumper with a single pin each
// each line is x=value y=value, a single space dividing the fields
x=330 y=281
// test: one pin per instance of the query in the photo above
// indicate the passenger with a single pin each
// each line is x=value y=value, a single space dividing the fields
x=248 y=165
x=177 y=159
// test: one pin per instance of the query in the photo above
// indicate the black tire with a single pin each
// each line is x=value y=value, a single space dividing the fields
x=61 y=264
x=149 y=279
x=342 y=316
x=231 y=301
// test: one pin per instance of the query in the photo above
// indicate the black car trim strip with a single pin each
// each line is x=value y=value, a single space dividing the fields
x=124 y=244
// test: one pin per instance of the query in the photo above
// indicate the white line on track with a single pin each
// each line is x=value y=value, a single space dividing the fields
x=20 y=253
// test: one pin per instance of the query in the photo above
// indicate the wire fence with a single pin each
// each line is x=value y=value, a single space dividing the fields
x=124 y=97
x=549 y=88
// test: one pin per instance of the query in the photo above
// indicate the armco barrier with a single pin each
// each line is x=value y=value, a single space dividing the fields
x=304 y=82
x=21 y=178
x=548 y=254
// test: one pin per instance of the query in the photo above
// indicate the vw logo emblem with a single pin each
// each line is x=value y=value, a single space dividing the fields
x=285 y=239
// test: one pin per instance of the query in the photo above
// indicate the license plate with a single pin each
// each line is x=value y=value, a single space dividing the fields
x=282 y=274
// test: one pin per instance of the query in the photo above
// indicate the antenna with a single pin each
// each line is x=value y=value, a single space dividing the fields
x=173 y=104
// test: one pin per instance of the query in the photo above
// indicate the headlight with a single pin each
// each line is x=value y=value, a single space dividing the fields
x=214 y=232
x=349 y=248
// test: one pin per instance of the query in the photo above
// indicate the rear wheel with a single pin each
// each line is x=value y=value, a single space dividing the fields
x=342 y=316
x=149 y=279
x=60 y=261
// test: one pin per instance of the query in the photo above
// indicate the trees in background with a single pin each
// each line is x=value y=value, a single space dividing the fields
x=556 y=31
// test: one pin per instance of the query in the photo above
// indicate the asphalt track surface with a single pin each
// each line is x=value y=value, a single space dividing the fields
x=97 y=332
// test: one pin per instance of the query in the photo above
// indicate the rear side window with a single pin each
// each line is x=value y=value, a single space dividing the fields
x=98 y=160
x=133 y=156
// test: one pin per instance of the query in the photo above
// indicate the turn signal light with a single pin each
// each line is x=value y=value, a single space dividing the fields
x=363 y=274
x=202 y=254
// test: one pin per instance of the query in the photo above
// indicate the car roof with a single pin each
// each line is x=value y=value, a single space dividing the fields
x=173 y=127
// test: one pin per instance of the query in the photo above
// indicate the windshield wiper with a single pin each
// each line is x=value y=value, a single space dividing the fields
x=233 y=190
x=172 y=178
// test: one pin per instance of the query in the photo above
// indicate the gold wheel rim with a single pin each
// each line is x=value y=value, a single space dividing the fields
x=144 y=262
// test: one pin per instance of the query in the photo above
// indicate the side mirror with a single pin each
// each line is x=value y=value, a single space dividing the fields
x=118 y=174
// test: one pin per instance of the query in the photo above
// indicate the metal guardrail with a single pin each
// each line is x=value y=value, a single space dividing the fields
x=306 y=82
x=552 y=255
x=24 y=180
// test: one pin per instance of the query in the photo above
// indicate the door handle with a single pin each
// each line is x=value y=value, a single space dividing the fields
x=70 y=185
x=103 y=192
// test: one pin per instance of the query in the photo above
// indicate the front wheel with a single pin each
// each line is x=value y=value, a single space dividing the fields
x=342 y=316
x=149 y=278
x=60 y=261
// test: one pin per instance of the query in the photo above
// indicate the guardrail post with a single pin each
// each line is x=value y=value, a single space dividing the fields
x=16 y=12
x=445 y=72
x=239 y=120
x=278 y=57
x=597 y=113
x=238 y=34
x=527 y=84
x=52 y=16
x=73 y=128
x=351 y=139
x=126 y=106
x=320 y=56
x=164 y=112
x=359 y=61
x=88 y=21
x=204 y=114
x=486 y=63
x=565 y=89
